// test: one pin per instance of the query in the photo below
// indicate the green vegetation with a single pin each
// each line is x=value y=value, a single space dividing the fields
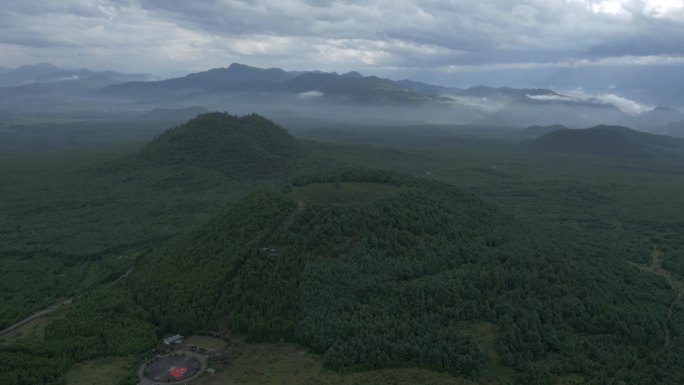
x=341 y=192
x=282 y=363
x=386 y=284
x=180 y=283
x=239 y=147
x=75 y=204
x=107 y=323
x=41 y=135
x=608 y=140
x=105 y=371
x=207 y=342
x=400 y=263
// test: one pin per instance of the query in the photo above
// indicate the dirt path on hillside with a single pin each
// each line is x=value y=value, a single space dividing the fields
x=287 y=222
x=656 y=267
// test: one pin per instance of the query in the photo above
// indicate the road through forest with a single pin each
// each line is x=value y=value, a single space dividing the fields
x=656 y=267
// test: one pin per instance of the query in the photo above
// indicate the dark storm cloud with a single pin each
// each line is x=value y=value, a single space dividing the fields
x=372 y=35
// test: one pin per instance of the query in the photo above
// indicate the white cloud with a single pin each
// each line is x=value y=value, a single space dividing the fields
x=607 y=61
x=310 y=95
x=664 y=8
x=553 y=98
x=485 y=104
x=625 y=105
x=654 y=8
x=609 y=7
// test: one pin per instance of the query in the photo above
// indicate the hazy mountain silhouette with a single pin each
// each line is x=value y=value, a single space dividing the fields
x=608 y=140
x=46 y=73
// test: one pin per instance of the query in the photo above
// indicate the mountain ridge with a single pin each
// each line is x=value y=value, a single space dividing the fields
x=333 y=96
x=608 y=140
x=47 y=73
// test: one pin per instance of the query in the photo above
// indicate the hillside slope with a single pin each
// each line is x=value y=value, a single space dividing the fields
x=240 y=147
x=675 y=129
x=399 y=280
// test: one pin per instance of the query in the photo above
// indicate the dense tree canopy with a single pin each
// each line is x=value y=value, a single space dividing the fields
x=389 y=282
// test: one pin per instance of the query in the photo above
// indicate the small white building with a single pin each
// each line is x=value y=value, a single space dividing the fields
x=177 y=339
x=211 y=371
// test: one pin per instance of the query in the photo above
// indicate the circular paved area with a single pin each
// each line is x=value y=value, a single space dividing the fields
x=179 y=367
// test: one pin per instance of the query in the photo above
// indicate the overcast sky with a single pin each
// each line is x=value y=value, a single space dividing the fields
x=384 y=37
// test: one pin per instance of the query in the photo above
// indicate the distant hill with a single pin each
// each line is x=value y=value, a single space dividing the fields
x=518 y=93
x=240 y=147
x=539 y=97
x=608 y=140
x=46 y=73
x=654 y=120
x=674 y=129
x=537 y=131
x=426 y=88
x=354 y=88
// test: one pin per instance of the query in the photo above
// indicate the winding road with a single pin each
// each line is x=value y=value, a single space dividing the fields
x=50 y=309
x=36 y=315
x=656 y=267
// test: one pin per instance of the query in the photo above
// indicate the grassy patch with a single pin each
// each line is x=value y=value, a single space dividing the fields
x=206 y=342
x=106 y=371
x=485 y=334
x=342 y=192
x=35 y=329
x=284 y=364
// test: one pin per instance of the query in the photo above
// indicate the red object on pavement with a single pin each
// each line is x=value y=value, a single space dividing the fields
x=177 y=372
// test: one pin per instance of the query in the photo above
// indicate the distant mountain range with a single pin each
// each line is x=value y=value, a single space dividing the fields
x=45 y=73
x=238 y=78
x=349 y=87
x=301 y=91
x=649 y=84
x=349 y=97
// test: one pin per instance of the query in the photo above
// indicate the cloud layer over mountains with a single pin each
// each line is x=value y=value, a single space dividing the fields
x=384 y=37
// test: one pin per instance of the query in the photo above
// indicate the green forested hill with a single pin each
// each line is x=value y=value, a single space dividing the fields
x=395 y=280
x=608 y=140
x=240 y=147
x=52 y=203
